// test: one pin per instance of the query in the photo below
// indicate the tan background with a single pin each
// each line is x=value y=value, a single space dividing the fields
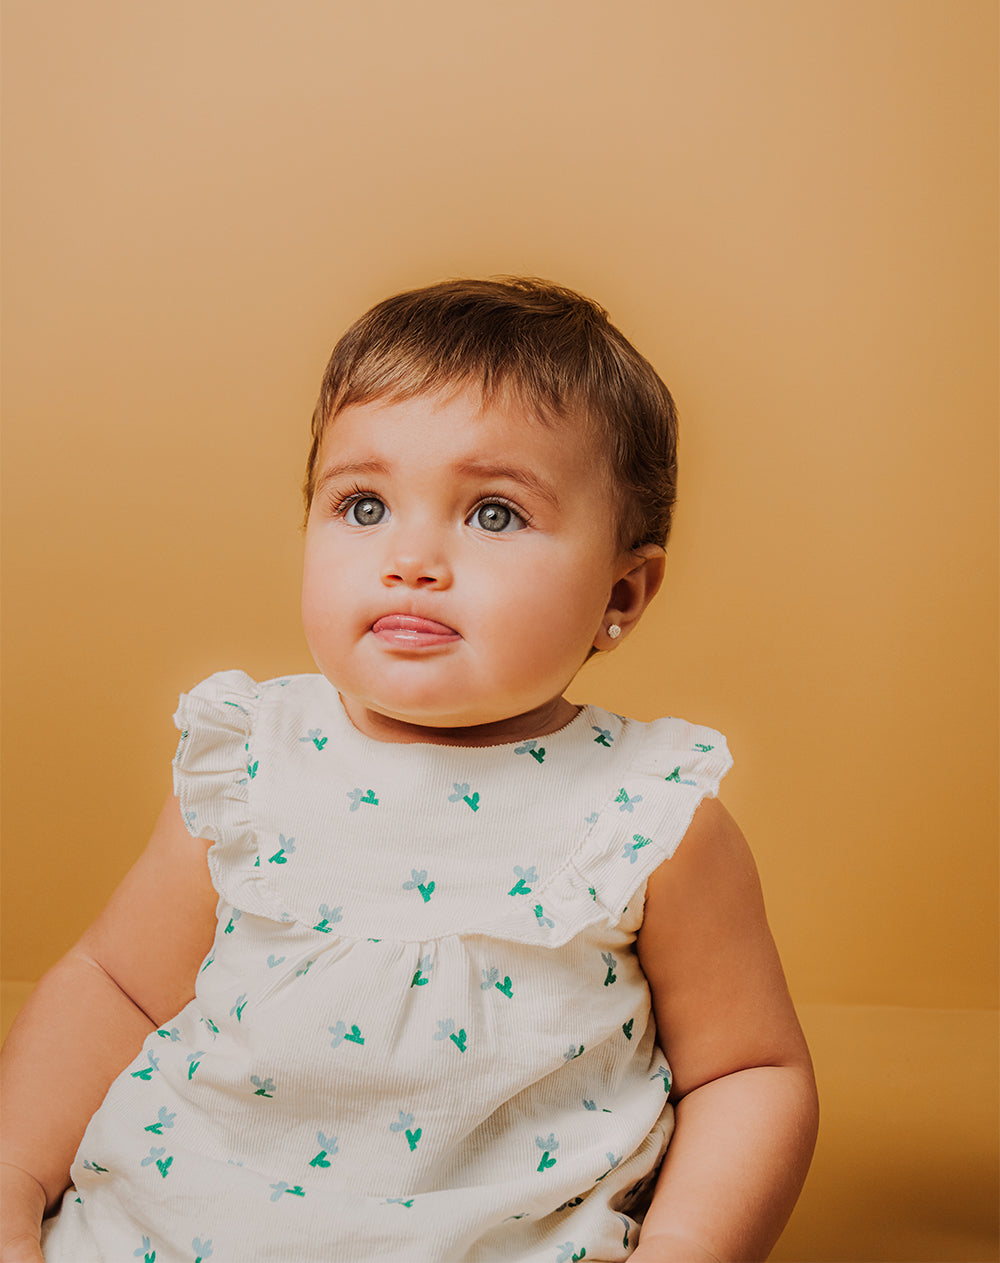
x=790 y=206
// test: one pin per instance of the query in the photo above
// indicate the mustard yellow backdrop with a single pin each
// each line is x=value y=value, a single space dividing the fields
x=790 y=206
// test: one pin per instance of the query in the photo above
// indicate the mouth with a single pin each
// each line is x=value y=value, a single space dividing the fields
x=408 y=631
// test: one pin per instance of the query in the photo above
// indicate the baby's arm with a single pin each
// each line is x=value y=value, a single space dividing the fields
x=132 y=969
x=743 y=1086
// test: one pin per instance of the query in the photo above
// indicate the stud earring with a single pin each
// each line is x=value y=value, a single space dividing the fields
x=614 y=631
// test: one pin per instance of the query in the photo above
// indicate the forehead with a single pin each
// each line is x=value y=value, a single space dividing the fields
x=467 y=423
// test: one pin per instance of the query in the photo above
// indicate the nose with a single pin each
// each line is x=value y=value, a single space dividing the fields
x=416 y=560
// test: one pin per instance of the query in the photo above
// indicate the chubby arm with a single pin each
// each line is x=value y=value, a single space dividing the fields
x=132 y=969
x=743 y=1086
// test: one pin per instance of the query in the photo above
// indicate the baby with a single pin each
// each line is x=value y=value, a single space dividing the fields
x=458 y=970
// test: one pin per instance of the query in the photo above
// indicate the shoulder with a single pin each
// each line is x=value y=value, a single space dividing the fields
x=716 y=982
x=711 y=870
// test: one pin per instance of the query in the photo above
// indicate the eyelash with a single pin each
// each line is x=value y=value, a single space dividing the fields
x=342 y=503
x=507 y=504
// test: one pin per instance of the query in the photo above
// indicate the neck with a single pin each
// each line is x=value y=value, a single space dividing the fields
x=549 y=717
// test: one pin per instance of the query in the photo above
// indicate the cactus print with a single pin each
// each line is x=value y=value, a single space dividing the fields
x=378 y=1012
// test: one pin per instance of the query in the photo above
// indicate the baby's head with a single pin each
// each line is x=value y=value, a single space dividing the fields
x=489 y=489
x=547 y=349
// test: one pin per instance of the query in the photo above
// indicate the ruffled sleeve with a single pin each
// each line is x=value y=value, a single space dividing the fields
x=214 y=769
x=679 y=765
x=641 y=824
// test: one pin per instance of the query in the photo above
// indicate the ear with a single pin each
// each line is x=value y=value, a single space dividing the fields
x=640 y=576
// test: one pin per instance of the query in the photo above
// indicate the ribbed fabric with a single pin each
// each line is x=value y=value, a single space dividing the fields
x=422 y=1033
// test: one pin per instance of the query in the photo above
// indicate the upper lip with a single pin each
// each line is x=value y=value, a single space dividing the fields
x=398 y=621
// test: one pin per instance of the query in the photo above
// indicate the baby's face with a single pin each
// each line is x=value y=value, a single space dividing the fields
x=458 y=563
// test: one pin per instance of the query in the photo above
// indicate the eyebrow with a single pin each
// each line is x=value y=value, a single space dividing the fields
x=527 y=479
x=351 y=470
x=468 y=468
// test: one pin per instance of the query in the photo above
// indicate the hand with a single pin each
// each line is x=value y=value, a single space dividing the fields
x=23 y=1201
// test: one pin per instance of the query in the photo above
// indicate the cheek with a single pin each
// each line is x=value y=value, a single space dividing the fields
x=319 y=591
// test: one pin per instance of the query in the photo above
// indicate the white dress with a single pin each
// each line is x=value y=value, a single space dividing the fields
x=422 y=1034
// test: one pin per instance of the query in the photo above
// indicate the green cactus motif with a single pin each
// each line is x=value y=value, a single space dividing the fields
x=327 y=1145
x=524 y=876
x=163 y=1119
x=420 y=978
x=155 y=1155
x=675 y=777
x=626 y=801
x=627 y=1028
x=663 y=1074
x=592 y=1106
x=404 y=1125
x=446 y=1030
x=632 y=848
x=145 y=1251
x=341 y=1034
x=293 y=1190
x=328 y=917
x=146 y=1073
x=536 y=751
x=420 y=882
x=286 y=848
x=462 y=794
x=548 y=1145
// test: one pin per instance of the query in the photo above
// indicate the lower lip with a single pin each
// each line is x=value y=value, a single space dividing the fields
x=413 y=633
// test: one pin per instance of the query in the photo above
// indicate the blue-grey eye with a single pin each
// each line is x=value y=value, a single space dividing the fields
x=368 y=511
x=496 y=517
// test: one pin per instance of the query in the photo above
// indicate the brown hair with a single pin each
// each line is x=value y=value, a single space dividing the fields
x=550 y=349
